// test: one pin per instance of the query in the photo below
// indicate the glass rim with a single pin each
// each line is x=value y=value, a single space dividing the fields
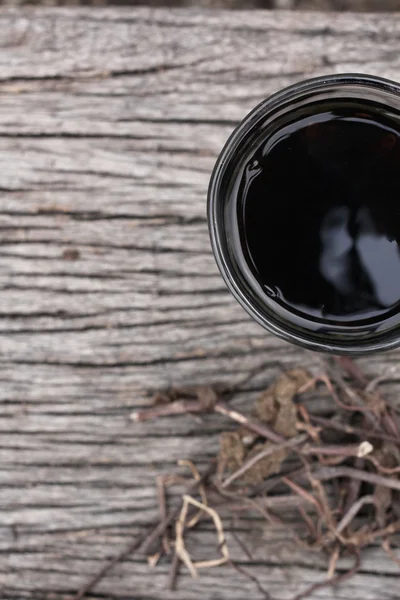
x=379 y=341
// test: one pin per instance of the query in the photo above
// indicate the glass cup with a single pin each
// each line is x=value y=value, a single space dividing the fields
x=226 y=205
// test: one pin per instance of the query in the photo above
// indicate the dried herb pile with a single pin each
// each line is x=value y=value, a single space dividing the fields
x=340 y=472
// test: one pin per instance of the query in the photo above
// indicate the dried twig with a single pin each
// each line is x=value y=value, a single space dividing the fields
x=163 y=511
x=173 y=572
x=361 y=538
x=333 y=562
x=153 y=559
x=327 y=514
x=241 y=544
x=256 y=427
x=385 y=415
x=180 y=546
x=180 y=407
x=248 y=503
x=306 y=425
x=357 y=403
x=358 y=450
x=291 y=443
x=351 y=430
x=330 y=582
x=248 y=575
x=387 y=548
x=351 y=488
x=381 y=468
x=197 y=477
x=303 y=493
x=143 y=542
x=272 y=482
x=352 y=369
x=307 y=520
x=374 y=383
x=351 y=513
x=324 y=473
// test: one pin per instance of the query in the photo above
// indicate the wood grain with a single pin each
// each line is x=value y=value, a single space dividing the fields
x=110 y=123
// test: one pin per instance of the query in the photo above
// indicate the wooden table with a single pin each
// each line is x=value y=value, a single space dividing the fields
x=110 y=123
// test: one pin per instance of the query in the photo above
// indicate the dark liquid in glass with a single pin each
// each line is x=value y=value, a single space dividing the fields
x=319 y=215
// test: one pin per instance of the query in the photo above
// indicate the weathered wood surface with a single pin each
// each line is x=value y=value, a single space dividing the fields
x=110 y=123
